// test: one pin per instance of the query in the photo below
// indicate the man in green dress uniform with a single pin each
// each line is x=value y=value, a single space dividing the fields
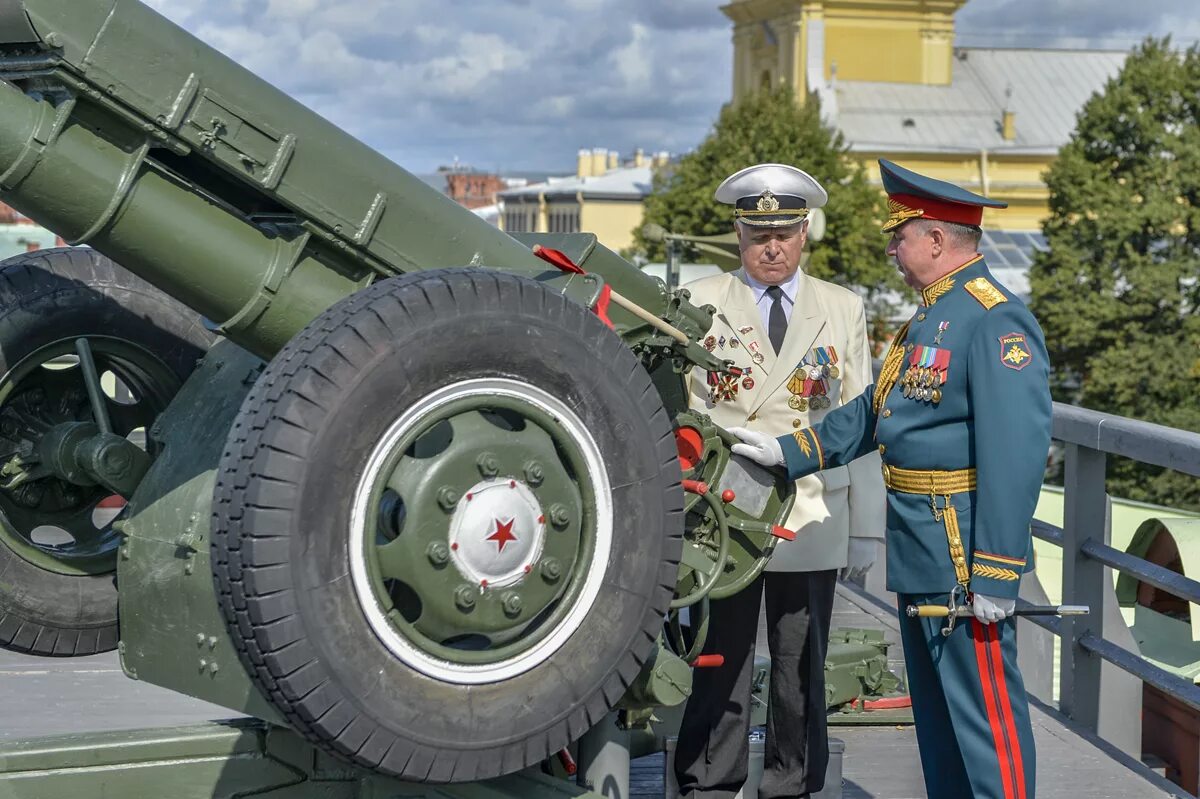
x=961 y=417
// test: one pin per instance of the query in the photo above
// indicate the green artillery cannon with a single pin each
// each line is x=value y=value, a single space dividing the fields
x=428 y=498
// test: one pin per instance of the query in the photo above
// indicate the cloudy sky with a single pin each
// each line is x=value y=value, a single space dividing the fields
x=523 y=84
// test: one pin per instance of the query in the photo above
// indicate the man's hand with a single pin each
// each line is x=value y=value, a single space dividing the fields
x=759 y=447
x=989 y=609
x=859 y=559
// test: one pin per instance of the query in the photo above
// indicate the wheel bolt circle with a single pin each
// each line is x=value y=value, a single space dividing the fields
x=439 y=553
x=534 y=473
x=488 y=463
x=464 y=597
x=559 y=515
x=447 y=497
x=512 y=603
x=551 y=569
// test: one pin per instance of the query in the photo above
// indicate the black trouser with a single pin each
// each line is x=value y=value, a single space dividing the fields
x=712 y=754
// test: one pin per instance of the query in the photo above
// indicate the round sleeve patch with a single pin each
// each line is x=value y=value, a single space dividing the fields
x=1015 y=352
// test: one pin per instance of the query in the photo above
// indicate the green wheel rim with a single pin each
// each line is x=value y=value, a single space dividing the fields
x=481 y=530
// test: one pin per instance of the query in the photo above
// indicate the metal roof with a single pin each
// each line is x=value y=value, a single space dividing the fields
x=632 y=183
x=1048 y=89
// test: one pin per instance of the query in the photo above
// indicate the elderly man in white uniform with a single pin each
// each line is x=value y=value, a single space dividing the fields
x=802 y=344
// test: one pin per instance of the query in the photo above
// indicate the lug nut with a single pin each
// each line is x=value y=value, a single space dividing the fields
x=559 y=515
x=512 y=604
x=447 y=497
x=551 y=569
x=534 y=474
x=464 y=597
x=489 y=465
x=439 y=553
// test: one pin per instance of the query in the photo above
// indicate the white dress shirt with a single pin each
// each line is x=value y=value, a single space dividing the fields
x=764 y=301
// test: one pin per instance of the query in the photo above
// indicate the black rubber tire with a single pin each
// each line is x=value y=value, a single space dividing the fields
x=45 y=296
x=282 y=508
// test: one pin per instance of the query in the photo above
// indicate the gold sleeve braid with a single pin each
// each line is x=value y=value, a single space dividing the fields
x=994 y=572
x=803 y=443
x=890 y=372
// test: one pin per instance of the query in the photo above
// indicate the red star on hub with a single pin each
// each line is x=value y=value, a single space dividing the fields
x=503 y=534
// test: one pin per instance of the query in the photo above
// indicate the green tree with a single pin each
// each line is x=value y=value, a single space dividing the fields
x=1118 y=291
x=770 y=126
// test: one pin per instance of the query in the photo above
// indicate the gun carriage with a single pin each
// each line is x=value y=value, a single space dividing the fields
x=419 y=490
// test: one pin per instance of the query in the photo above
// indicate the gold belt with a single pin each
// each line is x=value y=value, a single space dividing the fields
x=921 y=481
x=938 y=484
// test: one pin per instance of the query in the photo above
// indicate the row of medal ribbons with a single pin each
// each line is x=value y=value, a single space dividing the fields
x=809 y=383
x=928 y=369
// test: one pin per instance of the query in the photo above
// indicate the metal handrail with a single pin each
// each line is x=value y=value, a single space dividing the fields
x=1090 y=437
x=1138 y=666
x=1146 y=442
x=1158 y=576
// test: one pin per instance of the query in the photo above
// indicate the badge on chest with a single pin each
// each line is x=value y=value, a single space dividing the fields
x=809 y=383
x=928 y=370
x=725 y=387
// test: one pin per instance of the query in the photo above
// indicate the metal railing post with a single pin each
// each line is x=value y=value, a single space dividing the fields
x=1084 y=516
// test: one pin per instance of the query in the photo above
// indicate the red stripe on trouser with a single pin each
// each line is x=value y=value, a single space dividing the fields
x=1005 y=703
x=979 y=636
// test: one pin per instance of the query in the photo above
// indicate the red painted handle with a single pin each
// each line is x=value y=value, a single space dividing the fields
x=708 y=661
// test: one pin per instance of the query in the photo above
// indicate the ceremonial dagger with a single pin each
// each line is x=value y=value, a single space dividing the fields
x=955 y=612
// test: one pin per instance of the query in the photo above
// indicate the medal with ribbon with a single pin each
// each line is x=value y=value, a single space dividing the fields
x=928 y=370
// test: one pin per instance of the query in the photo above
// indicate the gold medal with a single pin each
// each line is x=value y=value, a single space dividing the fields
x=937 y=395
x=803 y=404
x=834 y=372
x=794 y=402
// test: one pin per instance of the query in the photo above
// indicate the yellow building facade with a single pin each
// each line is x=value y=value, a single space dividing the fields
x=889 y=77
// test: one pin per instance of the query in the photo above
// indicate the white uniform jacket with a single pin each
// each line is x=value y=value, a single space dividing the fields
x=832 y=505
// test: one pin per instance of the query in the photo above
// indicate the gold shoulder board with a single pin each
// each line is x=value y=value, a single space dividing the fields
x=982 y=289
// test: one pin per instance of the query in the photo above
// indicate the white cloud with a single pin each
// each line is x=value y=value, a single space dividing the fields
x=513 y=84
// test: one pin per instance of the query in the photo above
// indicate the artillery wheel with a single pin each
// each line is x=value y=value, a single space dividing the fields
x=58 y=550
x=447 y=525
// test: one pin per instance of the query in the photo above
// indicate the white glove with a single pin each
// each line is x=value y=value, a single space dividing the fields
x=759 y=447
x=990 y=609
x=859 y=559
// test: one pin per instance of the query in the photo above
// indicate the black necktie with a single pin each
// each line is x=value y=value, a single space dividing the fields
x=776 y=319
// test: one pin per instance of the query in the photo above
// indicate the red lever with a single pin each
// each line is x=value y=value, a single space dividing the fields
x=783 y=532
x=568 y=762
x=695 y=487
x=708 y=661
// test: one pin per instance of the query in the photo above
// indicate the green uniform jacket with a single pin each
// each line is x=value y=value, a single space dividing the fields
x=993 y=414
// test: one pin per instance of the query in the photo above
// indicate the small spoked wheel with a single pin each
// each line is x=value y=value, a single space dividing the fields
x=57 y=524
x=58 y=549
x=447 y=525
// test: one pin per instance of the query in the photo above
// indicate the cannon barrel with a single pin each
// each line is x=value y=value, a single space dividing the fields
x=121 y=130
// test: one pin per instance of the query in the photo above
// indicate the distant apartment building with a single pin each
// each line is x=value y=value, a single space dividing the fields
x=604 y=197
